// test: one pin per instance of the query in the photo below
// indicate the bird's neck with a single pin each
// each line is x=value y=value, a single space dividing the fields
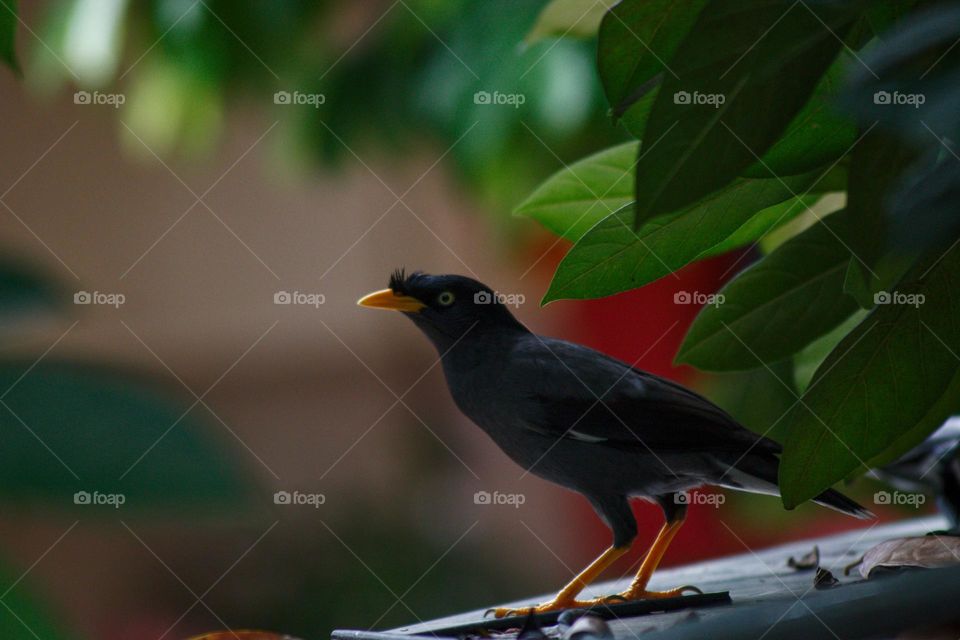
x=470 y=346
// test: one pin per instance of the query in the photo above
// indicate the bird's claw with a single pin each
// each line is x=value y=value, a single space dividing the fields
x=643 y=594
x=559 y=605
x=553 y=605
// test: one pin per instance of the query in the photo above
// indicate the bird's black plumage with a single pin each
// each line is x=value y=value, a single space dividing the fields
x=582 y=419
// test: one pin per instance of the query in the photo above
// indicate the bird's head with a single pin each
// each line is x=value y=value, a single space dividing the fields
x=445 y=307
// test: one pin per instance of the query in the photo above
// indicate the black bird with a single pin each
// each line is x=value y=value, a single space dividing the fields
x=585 y=421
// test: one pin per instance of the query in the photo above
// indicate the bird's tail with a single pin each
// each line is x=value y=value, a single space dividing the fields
x=839 y=502
x=759 y=473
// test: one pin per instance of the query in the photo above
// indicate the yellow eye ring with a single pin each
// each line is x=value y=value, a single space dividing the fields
x=445 y=299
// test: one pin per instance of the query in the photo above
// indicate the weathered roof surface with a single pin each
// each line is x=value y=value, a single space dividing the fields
x=767 y=598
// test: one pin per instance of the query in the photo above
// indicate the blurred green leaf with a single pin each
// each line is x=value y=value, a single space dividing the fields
x=741 y=75
x=818 y=134
x=611 y=257
x=8 y=34
x=70 y=428
x=22 y=617
x=895 y=372
x=923 y=207
x=568 y=18
x=636 y=39
x=23 y=292
x=907 y=81
x=777 y=306
x=577 y=197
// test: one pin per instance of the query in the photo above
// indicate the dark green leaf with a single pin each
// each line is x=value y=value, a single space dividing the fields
x=757 y=398
x=636 y=116
x=8 y=33
x=612 y=257
x=69 y=428
x=819 y=134
x=877 y=163
x=808 y=360
x=762 y=223
x=636 y=39
x=777 y=306
x=895 y=370
x=743 y=72
x=577 y=197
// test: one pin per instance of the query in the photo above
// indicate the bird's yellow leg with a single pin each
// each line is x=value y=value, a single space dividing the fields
x=567 y=597
x=638 y=588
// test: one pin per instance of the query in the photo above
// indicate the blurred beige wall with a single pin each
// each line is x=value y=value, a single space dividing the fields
x=199 y=293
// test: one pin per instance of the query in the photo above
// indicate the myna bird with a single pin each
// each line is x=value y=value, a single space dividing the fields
x=585 y=421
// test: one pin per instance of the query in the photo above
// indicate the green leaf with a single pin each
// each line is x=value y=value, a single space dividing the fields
x=818 y=134
x=611 y=257
x=634 y=120
x=896 y=372
x=22 y=292
x=743 y=72
x=70 y=428
x=762 y=223
x=636 y=39
x=23 y=617
x=577 y=197
x=777 y=306
x=568 y=18
x=8 y=33
x=808 y=360
x=878 y=162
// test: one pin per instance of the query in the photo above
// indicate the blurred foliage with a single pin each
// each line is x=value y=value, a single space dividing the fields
x=391 y=75
x=85 y=439
x=72 y=428
x=21 y=616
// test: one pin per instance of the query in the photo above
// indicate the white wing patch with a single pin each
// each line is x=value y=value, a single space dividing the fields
x=584 y=436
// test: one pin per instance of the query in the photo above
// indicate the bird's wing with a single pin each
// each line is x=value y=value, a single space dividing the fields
x=572 y=391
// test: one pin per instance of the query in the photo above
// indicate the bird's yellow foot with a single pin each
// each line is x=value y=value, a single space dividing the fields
x=642 y=594
x=553 y=605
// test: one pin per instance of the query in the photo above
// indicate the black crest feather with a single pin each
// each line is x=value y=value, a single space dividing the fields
x=399 y=280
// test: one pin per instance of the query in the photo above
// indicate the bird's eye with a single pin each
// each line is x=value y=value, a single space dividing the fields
x=445 y=299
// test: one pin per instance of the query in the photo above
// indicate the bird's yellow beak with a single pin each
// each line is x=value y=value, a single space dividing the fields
x=387 y=299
